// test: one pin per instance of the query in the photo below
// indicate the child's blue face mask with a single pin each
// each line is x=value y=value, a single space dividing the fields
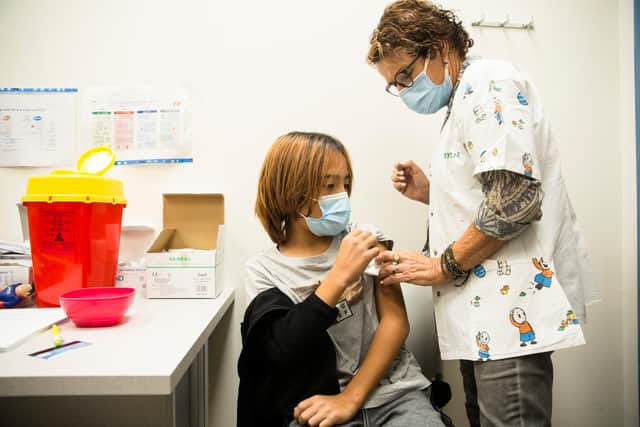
x=425 y=97
x=336 y=211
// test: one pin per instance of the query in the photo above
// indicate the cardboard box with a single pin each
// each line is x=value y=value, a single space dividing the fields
x=185 y=259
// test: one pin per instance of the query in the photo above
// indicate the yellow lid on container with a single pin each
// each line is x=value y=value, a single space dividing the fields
x=86 y=184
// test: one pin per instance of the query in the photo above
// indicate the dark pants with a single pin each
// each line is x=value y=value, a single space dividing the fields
x=509 y=392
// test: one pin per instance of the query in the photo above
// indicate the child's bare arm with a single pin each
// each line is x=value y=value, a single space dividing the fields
x=389 y=337
x=387 y=341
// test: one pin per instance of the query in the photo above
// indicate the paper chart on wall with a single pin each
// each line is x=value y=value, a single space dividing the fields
x=142 y=125
x=37 y=126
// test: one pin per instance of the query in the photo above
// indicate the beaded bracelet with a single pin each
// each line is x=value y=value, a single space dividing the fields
x=450 y=264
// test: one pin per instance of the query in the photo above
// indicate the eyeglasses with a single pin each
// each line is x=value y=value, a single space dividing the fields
x=402 y=79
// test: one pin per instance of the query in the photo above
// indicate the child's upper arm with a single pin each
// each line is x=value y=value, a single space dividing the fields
x=389 y=299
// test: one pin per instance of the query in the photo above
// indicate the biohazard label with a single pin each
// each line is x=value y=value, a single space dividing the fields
x=59 y=235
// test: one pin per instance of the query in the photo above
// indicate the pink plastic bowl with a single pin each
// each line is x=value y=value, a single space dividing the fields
x=89 y=307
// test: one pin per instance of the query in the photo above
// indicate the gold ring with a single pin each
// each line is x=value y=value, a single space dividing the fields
x=396 y=257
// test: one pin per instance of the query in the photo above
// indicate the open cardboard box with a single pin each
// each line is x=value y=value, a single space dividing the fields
x=185 y=259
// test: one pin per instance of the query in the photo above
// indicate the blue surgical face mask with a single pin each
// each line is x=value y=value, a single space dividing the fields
x=425 y=97
x=336 y=211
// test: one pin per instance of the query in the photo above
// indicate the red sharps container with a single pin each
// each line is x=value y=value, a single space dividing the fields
x=74 y=227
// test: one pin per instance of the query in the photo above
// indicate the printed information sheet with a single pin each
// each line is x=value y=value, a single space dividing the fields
x=37 y=126
x=141 y=125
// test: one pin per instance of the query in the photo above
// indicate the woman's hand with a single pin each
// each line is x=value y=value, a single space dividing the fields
x=325 y=411
x=409 y=179
x=357 y=249
x=410 y=267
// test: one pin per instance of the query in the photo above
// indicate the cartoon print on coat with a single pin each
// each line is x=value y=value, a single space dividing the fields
x=475 y=301
x=570 y=320
x=527 y=162
x=482 y=340
x=518 y=318
x=479 y=113
x=504 y=269
x=482 y=156
x=493 y=87
x=543 y=279
x=521 y=99
x=479 y=271
x=498 y=111
x=467 y=146
x=518 y=123
x=468 y=90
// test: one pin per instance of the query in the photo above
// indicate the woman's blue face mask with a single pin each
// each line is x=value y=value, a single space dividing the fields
x=336 y=211
x=425 y=97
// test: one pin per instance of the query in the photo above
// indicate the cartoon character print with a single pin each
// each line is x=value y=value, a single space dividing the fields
x=493 y=87
x=543 y=279
x=521 y=99
x=479 y=113
x=570 y=320
x=468 y=90
x=518 y=318
x=482 y=340
x=468 y=146
x=498 y=111
x=482 y=156
x=479 y=271
x=504 y=269
x=527 y=163
x=518 y=123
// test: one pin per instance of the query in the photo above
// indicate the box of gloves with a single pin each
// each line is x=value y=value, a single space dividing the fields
x=185 y=259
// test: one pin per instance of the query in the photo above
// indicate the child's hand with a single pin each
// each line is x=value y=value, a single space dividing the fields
x=325 y=411
x=357 y=249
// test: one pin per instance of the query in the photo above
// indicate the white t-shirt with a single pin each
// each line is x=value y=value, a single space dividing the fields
x=530 y=296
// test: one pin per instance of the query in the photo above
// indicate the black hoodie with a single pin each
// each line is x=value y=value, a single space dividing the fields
x=287 y=356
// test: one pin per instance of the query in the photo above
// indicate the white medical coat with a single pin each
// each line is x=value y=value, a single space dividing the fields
x=530 y=296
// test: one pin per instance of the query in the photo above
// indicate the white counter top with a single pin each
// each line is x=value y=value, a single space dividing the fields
x=146 y=354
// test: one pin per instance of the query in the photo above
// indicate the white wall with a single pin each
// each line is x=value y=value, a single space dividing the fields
x=259 y=69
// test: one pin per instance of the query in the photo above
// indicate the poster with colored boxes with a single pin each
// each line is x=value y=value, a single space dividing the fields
x=142 y=125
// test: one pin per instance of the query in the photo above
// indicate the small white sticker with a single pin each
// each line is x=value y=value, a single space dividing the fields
x=344 y=311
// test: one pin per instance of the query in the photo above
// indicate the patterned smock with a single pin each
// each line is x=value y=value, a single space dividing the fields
x=530 y=296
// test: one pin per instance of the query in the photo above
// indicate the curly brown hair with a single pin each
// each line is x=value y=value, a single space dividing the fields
x=417 y=28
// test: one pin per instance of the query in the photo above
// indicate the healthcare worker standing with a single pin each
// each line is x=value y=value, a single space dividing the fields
x=505 y=256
